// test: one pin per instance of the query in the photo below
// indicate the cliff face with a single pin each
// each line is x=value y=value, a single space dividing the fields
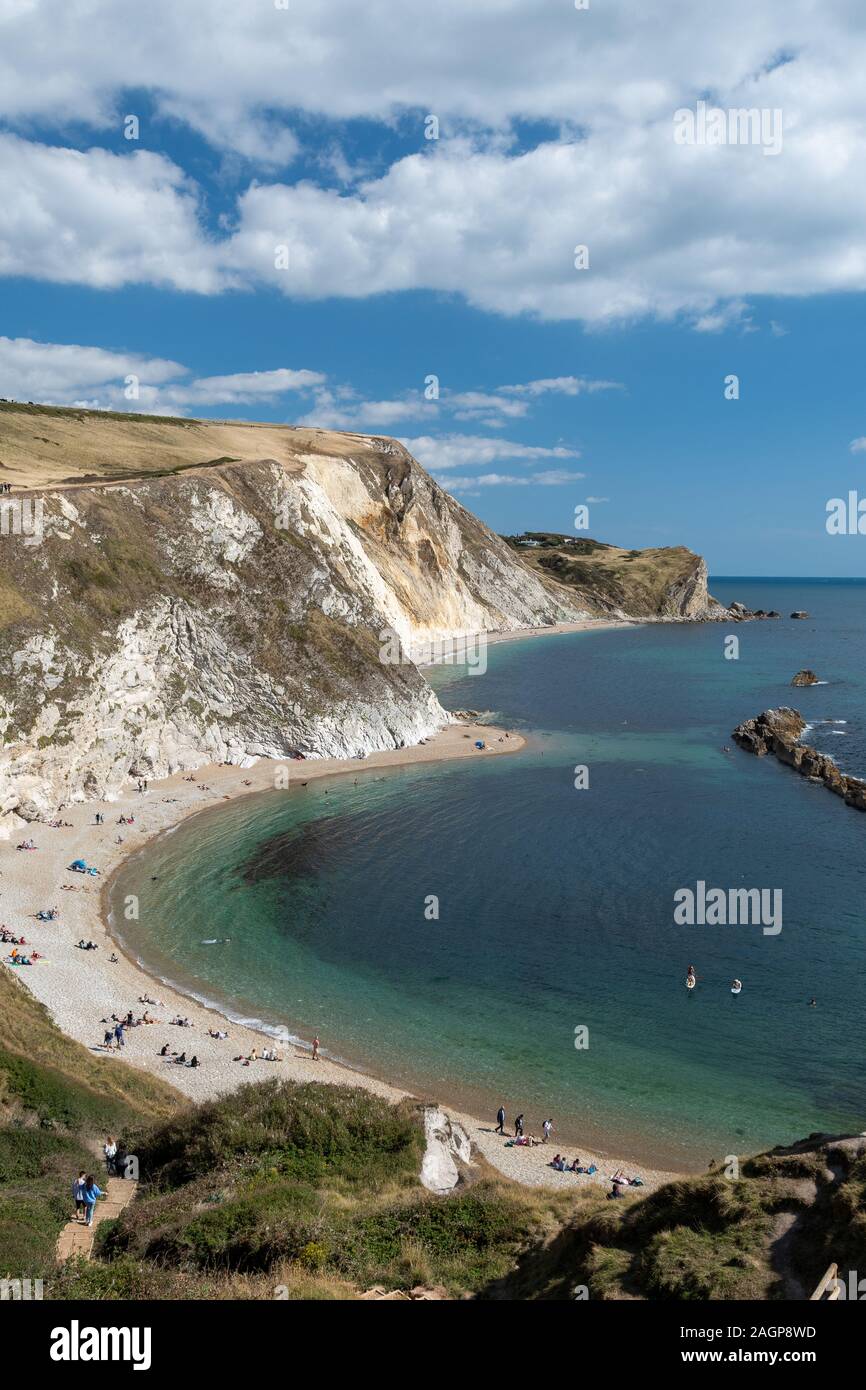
x=670 y=582
x=233 y=610
x=191 y=599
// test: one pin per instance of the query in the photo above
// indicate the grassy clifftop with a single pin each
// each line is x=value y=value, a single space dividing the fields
x=669 y=581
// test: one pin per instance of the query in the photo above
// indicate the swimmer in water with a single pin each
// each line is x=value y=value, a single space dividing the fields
x=736 y=986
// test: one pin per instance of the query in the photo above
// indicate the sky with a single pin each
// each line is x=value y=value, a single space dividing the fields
x=532 y=239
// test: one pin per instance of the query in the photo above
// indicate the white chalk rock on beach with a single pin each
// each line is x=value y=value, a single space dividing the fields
x=448 y=1146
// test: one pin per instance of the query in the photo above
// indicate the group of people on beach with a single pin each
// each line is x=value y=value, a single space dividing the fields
x=179 y=1058
x=529 y=1140
x=619 y=1181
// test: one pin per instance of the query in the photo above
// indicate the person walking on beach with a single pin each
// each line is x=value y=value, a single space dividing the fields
x=316 y=1057
x=546 y=1129
x=78 y=1195
x=518 y=1127
x=89 y=1194
x=500 y=1120
x=118 y=1036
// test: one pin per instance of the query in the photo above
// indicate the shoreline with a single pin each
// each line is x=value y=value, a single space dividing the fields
x=81 y=988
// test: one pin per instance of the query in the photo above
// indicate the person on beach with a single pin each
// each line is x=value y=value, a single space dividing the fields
x=194 y=1062
x=500 y=1120
x=109 y=1149
x=118 y=1037
x=89 y=1194
x=546 y=1129
x=518 y=1127
x=316 y=1048
x=120 y=1158
x=78 y=1195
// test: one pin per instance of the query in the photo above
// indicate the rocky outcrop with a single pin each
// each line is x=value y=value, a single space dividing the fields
x=805 y=677
x=448 y=1151
x=739 y=613
x=800 y=614
x=778 y=731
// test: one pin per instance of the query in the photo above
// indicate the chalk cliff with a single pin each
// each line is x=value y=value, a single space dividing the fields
x=231 y=610
x=185 y=591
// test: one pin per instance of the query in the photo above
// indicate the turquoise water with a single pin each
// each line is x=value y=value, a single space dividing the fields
x=556 y=904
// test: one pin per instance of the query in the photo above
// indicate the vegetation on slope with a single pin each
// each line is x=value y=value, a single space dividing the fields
x=608 y=578
x=55 y=1099
x=311 y=1191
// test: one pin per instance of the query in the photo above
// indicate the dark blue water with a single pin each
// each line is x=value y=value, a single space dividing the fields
x=556 y=904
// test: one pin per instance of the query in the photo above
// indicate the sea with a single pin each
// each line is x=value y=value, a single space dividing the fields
x=505 y=930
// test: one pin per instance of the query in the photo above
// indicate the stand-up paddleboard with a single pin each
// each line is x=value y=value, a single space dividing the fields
x=736 y=987
x=690 y=982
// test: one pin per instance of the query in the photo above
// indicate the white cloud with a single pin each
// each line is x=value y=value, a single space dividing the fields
x=562 y=386
x=61 y=372
x=858 y=446
x=245 y=388
x=101 y=219
x=672 y=230
x=549 y=478
x=470 y=451
x=234 y=76
x=342 y=408
x=95 y=378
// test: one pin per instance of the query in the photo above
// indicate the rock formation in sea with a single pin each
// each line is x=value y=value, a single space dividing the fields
x=778 y=731
x=805 y=677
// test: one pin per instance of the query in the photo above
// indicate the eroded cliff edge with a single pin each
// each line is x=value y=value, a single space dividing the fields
x=188 y=602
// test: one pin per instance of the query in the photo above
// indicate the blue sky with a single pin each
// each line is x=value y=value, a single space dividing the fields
x=454 y=257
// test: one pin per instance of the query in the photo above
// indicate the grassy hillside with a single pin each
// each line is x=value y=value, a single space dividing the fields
x=55 y=1099
x=643 y=583
x=311 y=1191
